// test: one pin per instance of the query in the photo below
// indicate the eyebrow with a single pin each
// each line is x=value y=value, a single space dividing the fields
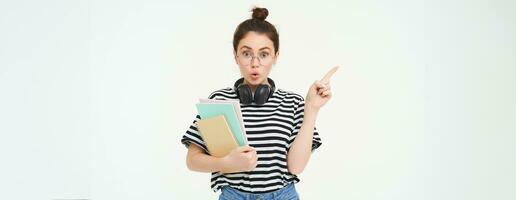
x=252 y=48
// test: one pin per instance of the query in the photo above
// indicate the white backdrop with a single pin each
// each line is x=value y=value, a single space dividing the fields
x=95 y=95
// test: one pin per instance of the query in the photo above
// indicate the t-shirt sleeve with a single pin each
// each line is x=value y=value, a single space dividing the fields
x=298 y=121
x=192 y=136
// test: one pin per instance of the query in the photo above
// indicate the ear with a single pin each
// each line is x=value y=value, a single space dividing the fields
x=235 y=56
x=276 y=57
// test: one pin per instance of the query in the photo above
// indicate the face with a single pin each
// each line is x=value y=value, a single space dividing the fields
x=255 y=55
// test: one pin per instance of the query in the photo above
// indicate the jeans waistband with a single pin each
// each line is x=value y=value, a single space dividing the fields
x=248 y=195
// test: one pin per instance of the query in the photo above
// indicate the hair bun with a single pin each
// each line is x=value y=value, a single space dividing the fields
x=260 y=13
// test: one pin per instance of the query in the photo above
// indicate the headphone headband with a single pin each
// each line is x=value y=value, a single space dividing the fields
x=262 y=94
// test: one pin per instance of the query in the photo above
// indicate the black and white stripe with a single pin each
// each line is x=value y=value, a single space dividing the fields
x=271 y=128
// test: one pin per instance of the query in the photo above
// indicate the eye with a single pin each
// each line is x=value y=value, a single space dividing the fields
x=264 y=55
x=246 y=54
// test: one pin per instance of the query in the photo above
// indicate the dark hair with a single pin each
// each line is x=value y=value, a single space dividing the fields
x=257 y=24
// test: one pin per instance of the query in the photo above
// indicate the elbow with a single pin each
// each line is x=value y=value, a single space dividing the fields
x=294 y=166
x=189 y=164
x=295 y=170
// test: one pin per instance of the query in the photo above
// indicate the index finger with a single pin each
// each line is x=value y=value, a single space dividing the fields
x=328 y=75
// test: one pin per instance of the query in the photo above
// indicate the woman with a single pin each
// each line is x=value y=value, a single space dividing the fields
x=280 y=125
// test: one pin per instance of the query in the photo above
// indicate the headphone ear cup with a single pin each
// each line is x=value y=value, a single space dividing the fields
x=245 y=94
x=261 y=95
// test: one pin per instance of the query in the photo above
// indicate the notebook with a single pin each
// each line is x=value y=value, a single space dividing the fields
x=236 y=105
x=207 y=110
x=217 y=135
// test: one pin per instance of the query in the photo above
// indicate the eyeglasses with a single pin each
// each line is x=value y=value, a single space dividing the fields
x=246 y=58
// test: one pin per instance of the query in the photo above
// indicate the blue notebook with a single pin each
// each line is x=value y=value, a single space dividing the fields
x=207 y=110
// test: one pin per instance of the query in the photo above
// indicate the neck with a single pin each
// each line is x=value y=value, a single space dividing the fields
x=253 y=87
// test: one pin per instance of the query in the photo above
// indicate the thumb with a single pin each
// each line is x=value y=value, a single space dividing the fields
x=245 y=149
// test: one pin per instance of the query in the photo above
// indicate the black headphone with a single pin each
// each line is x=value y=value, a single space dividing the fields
x=261 y=95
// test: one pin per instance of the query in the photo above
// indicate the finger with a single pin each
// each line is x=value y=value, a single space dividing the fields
x=321 y=86
x=253 y=152
x=250 y=156
x=316 y=85
x=322 y=89
x=326 y=93
x=328 y=75
x=322 y=93
x=319 y=92
x=245 y=149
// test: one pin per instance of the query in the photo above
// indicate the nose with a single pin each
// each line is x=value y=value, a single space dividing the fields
x=254 y=62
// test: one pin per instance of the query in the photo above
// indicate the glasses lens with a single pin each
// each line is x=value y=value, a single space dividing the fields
x=245 y=58
x=265 y=59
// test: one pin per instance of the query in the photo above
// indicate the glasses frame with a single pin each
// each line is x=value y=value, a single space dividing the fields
x=257 y=57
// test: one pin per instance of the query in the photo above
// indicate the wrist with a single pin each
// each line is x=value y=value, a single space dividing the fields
x=311 y=110
x=222 y=164
x=310 y=115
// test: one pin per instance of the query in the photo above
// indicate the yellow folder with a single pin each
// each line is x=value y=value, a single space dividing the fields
x=217 y=135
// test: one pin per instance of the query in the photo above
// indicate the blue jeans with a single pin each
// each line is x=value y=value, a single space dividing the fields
x=286 y=193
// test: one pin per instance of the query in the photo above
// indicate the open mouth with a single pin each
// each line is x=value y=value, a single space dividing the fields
x=255 y=75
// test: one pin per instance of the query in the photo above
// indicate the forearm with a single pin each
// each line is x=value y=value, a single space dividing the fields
x=198 y=161
x=301 y=148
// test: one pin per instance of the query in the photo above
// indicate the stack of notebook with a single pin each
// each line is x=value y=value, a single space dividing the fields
x=221 y=125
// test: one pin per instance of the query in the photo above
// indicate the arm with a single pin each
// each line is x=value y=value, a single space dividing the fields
x=318 y=94
x=301 y=148
x=196 y=160
x=238 y=160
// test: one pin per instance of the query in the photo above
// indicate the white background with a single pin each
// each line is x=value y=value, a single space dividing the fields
x=95 y=95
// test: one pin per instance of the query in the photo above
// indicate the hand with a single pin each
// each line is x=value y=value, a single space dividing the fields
x=240 y=159
x=320 y=91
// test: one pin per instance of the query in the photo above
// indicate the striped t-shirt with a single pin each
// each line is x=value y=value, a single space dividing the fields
x=270 y=129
